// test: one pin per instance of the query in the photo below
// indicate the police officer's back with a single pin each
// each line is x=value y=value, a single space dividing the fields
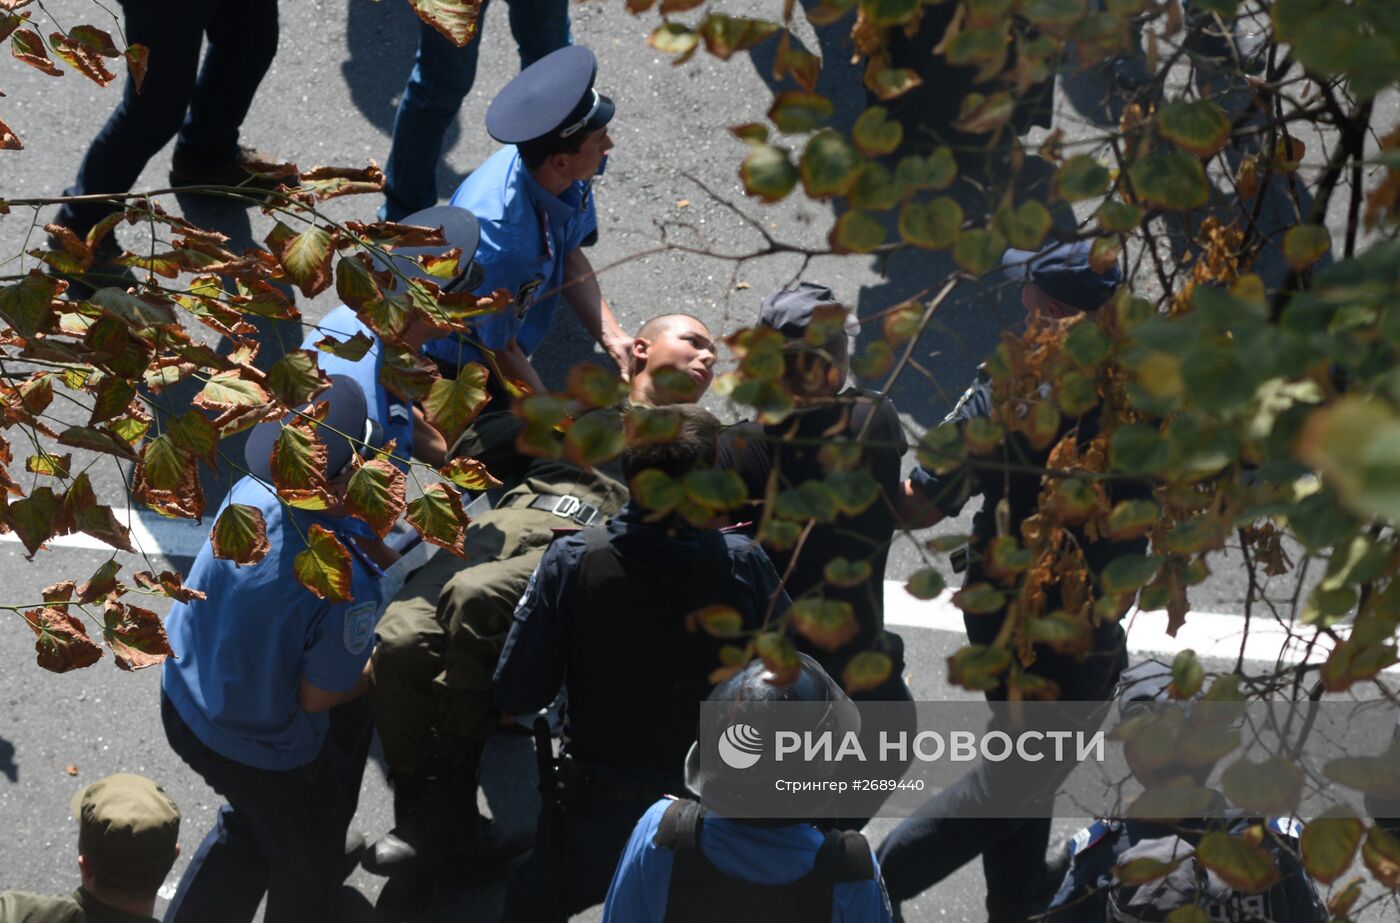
x=128 y=839
x=690 y=861
x=1091 y=894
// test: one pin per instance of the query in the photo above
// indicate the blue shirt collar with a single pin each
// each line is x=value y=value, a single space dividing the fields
x=559 y=209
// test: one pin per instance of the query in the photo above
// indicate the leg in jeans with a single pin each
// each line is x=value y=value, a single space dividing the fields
x=294 y=820
x=442 y=76
x=142 y=122
x=539 y=27
x=242 y=37
x=953 y=827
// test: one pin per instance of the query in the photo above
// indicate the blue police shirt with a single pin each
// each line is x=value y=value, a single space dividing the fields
x=766 y=855
x=244 y=650
x=395 y=417
x=526 y=234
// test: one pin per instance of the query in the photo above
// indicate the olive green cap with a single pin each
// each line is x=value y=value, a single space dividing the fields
x=128 y=830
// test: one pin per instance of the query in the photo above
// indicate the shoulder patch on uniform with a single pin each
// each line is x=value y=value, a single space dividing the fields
x=359 y=627
x=1089 y=836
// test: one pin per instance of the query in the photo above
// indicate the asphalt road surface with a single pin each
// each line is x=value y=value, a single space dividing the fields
x=329 y=99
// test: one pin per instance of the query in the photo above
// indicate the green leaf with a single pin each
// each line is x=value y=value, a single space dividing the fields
x=891 y=82
x=375 y=494
x=1381 y=853
x=305 y=257
x=875 y=133
x=856 y=232
x=1057 y=14
x=657 y=491
x=1081 y=177
x=846 y=574
x=934 y=225
x=1174 y=181
x=1127 y=573
x=1199 y=127
x=1240 y=864
x=240 y=535
x=595 y=438
x=162 y=464
x=355 y=284
x=889 y=12
x=726 y=35
x=978 y=667
x=469 y=474
x=941 y=449
x=33 y=518
x=192 y=432
x=1270 y=788
x=324 y=567
x=979 y=599
x=1145 y=870
x=138 y=312
x=1305 y=244
x=768 y=173
x=1132 y=518
x=1355 y=444
x=674 y=38
x=455 y=20
x=827 y=623
x=1087 y=344
x=715 y=490
x=452 y=403
x=26 y=305
x=829 y=165
x=1119 y=217
x=797 y=111
x=1025 y=226
x=875 y=189
x=979 y=251
x=351 y=350
x=779 y=657
x=438 y=517
x=1187 y=674
x=296 y=378
x=855 y=491
x=718 y=621
x=866 y=670
x=925 y=583
x=1138 y=448
x=809 y=500
x=936 y=171
x=226 y=390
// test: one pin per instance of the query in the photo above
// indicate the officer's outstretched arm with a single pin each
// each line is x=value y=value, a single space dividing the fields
x=586 y=299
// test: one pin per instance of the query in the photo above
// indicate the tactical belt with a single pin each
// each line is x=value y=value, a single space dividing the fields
x=565 y=506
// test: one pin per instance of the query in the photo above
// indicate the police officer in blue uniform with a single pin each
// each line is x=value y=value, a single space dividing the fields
x=397 y=418
x=1057 y=282
x=534 y=200
x=1091 y=894
x=264 y=696
x=694 y=861
x=605 y=614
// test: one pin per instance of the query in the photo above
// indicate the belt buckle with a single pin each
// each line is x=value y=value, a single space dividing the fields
x=566 y=506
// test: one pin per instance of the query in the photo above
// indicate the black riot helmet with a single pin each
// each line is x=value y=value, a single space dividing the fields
x=730 y=768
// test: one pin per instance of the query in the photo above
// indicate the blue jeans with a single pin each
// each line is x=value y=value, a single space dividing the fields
x=282 y=833
x=205 y=105
x=442 y=77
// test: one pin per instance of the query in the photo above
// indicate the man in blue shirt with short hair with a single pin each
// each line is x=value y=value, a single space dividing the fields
x=534 y=200
x=264 y=696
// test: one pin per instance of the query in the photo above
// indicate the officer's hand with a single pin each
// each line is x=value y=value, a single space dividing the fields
x=619 y=349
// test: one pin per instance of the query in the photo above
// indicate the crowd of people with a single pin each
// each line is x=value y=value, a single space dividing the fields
x=571 y=589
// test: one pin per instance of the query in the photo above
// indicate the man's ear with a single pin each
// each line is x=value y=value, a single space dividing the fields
x=641 y=349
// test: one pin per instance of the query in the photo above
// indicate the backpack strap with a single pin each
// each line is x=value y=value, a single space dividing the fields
x=845 y=857
x=677 y=830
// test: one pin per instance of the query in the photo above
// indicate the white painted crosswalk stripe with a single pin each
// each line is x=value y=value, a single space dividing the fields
x=1209 y=634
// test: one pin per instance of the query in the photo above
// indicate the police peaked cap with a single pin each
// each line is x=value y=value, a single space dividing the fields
x=552 y=98
x=346 y=430
x=460 y=230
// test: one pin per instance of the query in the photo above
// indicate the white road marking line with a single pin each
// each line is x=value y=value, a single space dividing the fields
x=1209 y=634
x=150 y=533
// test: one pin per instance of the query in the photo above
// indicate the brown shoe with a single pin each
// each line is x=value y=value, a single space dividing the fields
x=249 y=170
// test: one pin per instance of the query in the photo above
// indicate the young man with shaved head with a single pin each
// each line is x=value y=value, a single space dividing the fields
x=439 y=639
